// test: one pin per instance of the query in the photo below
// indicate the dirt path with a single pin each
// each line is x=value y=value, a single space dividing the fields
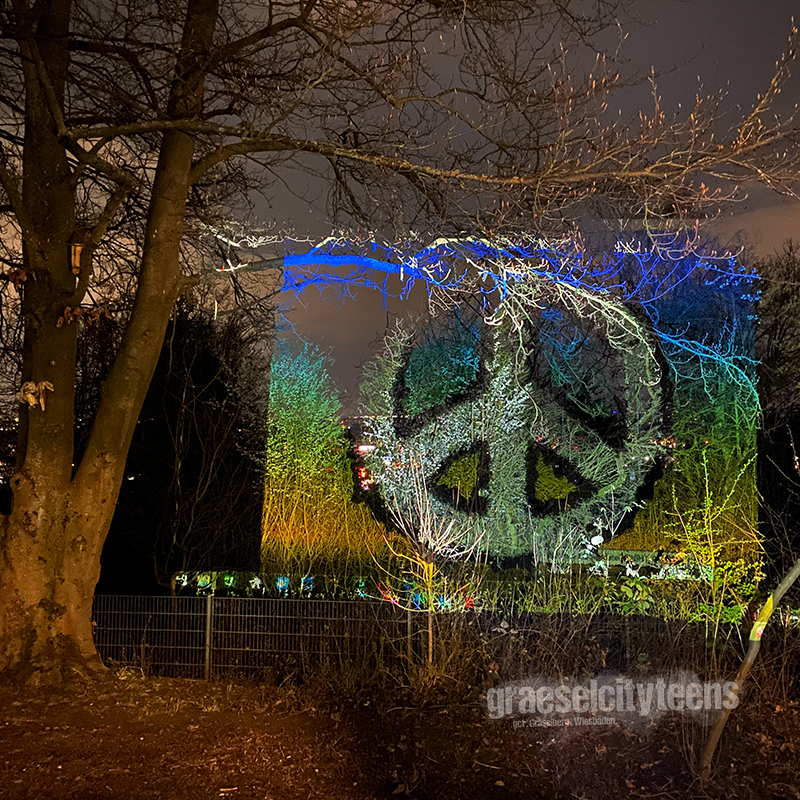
x=133 y=738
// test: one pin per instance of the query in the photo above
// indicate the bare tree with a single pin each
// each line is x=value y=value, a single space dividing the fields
x=192 y=498
x=124 y=123
x=778 y=352
x=778 y=335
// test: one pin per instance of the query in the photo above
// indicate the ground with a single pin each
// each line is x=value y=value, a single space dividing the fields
x=127 y=736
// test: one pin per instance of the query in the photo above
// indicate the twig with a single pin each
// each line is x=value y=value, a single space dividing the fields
x=756 y=633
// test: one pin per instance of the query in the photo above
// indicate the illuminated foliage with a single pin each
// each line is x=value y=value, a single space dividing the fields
x=555 y=399
x=597 y=396
x=548 y=486
x=305 y=432
x=310 y=518
x=461 y=476
x=441 y=369
x=510 y=415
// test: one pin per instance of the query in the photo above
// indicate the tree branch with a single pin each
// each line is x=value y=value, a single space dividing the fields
x=257 y=37
x=95 y=237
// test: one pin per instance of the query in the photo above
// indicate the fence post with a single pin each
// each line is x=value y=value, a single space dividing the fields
x=409 y=651
x=209 y=629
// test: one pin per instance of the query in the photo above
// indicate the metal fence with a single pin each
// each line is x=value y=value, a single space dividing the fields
x=206 y=636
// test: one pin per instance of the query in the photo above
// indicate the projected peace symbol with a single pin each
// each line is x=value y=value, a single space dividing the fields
x=534 y=427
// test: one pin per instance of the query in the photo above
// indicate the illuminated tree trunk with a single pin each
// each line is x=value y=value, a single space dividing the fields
x=51 y=542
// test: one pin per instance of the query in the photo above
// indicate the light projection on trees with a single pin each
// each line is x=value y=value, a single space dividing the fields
x=555 y=397
x=539 y=419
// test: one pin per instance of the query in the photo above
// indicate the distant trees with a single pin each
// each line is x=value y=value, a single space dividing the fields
x=192 y=497
x=778 y=335
x=778 y=351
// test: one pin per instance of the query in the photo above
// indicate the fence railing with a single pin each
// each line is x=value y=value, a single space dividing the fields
x=204 y=636
x=207 y=636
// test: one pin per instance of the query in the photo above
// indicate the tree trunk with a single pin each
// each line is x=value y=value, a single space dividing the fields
x=51 y=542
x=50 y=565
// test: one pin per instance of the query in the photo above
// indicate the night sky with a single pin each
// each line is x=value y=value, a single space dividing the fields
x=702 y=45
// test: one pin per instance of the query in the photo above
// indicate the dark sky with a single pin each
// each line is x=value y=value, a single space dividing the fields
x=693 y=45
